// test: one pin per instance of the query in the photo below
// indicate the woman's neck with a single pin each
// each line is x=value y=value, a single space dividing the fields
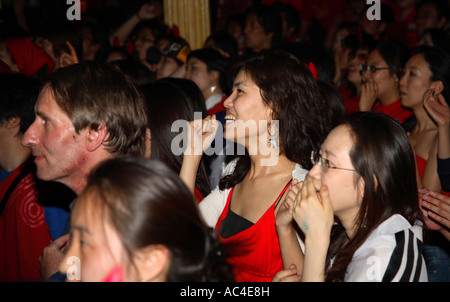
x=424 y=121
x=389 y=98
x=263 y=165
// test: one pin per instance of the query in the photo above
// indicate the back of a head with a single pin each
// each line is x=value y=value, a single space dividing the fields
x=138 y=73
x=172 y=102
x=148 y=204
x=93 y=93
x=18 y=95
x=320 y=56
x=226 y=43
x=166 y=104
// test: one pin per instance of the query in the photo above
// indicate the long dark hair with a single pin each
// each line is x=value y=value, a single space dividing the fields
x=147 y=204
x=169 y=100
x=383 y=157
x=289 y=88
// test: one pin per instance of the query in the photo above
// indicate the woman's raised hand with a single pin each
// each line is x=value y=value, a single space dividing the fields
x=201 y=134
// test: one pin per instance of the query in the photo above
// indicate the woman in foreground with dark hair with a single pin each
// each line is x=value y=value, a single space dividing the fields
x=377 y=235
x=137 y=221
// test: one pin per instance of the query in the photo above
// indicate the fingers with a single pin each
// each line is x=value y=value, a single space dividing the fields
x=287 y=275
x=209 y=124
x=60 y=242
x=439 y=208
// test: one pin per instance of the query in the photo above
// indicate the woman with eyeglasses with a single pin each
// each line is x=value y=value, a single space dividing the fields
x=380 y=77
x=360 y=222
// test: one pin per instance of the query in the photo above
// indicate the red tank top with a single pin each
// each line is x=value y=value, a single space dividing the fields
x=254 y=254
x=421 y=164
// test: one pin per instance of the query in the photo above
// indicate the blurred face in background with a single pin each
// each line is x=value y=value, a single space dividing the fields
x=144 y=41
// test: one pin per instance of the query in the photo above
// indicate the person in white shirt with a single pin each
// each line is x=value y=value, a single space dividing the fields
x=358 y=208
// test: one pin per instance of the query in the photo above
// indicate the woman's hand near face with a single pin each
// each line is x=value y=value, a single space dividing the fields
x=313 y=213
x=201 y=134
x=369 y=93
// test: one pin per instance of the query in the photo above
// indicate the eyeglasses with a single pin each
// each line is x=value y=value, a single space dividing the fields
x=370 y=68
x=324 y=163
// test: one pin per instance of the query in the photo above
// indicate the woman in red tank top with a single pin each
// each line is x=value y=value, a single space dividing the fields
x=276 y=112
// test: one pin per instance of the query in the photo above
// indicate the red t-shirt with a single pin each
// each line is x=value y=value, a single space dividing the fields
x=23 y=230
x=351 y=103
x=394 y=110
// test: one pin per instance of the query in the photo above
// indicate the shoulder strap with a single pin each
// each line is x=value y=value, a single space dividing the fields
x=13 y=185
x=282 y=192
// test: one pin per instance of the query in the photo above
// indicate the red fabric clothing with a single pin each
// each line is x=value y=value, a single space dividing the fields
x=421 y=164
x=351 y=103
x=394 y=110
x=324 y=11
x=23 y=230
x=198 y=195
x=29 y=57
x=254 y=254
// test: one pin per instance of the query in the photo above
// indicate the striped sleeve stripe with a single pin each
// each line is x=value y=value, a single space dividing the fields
x=404 y=259
x=419 y=261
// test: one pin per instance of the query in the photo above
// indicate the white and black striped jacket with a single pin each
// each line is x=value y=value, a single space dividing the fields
x=392 y=253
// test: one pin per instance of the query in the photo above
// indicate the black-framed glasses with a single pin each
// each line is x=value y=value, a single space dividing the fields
x=370 y=68
x=325 y=164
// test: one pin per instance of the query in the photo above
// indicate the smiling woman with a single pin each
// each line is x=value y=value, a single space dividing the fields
x=278 y=95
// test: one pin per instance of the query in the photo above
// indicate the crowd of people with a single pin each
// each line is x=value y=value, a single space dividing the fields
x=303 y=141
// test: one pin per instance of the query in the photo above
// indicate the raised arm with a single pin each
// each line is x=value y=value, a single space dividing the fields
x=201 y=133
x=439 y=111
x=146 y=12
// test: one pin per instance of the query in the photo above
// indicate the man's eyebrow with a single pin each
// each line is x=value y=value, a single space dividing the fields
x=41 y=114
x=81 y=229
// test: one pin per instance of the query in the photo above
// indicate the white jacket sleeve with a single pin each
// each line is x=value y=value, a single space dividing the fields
x=212 y=205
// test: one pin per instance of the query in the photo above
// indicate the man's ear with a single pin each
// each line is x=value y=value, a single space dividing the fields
x=153 y=262
x=95 y=138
